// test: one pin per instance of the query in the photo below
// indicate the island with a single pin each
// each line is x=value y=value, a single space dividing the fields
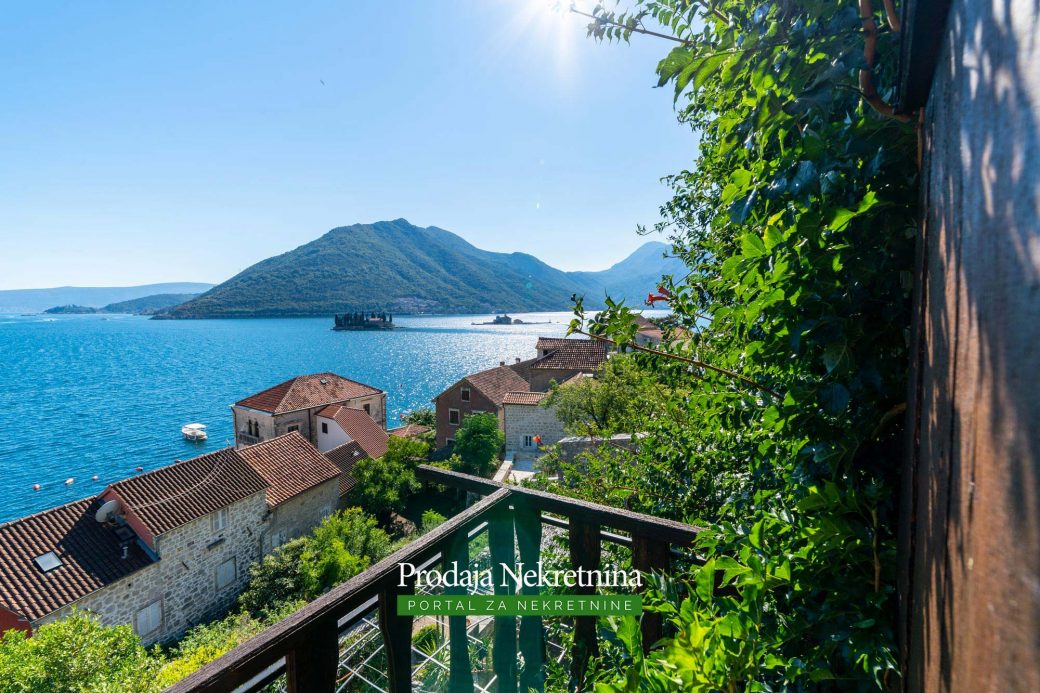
x=364 y=321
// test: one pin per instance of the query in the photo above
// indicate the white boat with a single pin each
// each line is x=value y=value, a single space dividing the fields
x=194 y=431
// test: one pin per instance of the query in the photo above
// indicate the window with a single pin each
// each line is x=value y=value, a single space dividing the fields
x=48 y=561
x=324 y=427
x=226 y=573
x=528 y=441
x=368 y=409
x=464 y=394
x=453 y=417
x=219 y=519
x=294 y=428
x=149 y=618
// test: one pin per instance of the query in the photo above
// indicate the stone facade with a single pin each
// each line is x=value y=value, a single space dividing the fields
x=184 y=580
x=542 y=378
x=526 y=421
x=300 y=514
x=303 y=420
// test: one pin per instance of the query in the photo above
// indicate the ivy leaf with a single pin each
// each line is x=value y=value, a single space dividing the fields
x=834 y=398
x=752 y=246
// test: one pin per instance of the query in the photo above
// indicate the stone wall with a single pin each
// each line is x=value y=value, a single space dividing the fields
x=300 y=514
x=452 y=399
x=184 y=579
x=532 y=420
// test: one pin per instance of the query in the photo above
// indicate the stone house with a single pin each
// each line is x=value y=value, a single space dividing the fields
x=175 y=547
x=477 y=393
x=529 y=425
x=338 y=425
x=561 y=359
x=294 y=405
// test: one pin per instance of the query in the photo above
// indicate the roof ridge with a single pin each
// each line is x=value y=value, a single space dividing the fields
x=142 y=475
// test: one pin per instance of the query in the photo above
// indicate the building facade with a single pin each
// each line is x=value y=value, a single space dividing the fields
x=478 y=393
x=292 y=406
x=529 y=426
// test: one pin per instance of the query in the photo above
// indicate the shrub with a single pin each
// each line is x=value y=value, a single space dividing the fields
x=478 y=443
x=385 y=483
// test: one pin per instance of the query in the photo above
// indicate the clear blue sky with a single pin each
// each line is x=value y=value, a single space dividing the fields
x=183 y=141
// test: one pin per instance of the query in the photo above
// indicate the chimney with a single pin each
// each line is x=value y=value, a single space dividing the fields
x=518 y=359
x=501 y=363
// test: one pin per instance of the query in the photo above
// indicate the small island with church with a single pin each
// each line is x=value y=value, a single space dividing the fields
x=364 y=321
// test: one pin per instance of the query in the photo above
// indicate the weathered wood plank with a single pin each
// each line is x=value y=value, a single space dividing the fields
x=503 y=553
x=650 y=555
x=585 y=552
x=528 y=523
x=397 y=635
x=460 y=672
x=312 y=665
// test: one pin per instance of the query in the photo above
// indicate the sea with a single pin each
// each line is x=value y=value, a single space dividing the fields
x=93 y=398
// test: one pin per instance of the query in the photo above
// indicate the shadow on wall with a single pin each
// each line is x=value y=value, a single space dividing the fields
x=974 y=610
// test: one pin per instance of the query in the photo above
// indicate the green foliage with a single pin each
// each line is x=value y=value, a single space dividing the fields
x=281 y=576
x=76 y=653
x=424 y=416
x=385 y=483
x=427 y=639
x=620 y=399
x=478 y=443
x=796 y=225
x=430 y=519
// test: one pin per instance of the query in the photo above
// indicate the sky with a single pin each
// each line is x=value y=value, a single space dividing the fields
x=152 y=142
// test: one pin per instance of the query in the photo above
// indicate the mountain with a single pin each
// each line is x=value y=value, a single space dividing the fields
x=146 y=305
x=402 y=268
x=37 y=300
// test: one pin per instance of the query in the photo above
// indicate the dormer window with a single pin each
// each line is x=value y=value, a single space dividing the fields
x=464 y=394
x=48 y=561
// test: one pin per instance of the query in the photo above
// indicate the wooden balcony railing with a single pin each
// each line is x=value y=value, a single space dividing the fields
x=305 y=646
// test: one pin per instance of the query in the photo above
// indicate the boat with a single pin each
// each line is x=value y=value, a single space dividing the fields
x=194 y=432
x=504 y=319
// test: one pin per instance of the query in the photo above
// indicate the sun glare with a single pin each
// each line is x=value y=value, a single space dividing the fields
x=544 y=26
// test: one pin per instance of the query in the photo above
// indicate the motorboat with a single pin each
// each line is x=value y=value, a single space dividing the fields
x=194 y=432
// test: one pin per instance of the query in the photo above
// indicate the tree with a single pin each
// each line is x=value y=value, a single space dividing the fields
x=620 y=399
x=283 y=575
x=478 y=443
x=385 y=483
x=421 y=417
x=76 y=653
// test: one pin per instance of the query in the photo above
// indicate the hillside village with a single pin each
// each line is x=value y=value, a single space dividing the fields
x=171 y=548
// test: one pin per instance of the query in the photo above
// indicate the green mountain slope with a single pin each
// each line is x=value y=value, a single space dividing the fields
x=146 y=305
x=402 y=268
x=36 y=300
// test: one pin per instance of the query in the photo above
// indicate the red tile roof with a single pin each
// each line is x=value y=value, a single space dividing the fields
x=495 y=382
x=570 y=354
x=307 y=391
x=290 y=465
x=90 y=555
x=408 y=430
x=344 y=457
x=360 y=427
x=175 y=495
x=524 y=398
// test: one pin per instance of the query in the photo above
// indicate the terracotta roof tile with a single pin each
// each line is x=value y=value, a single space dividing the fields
x=307 y=391
x=360 y=427
x=344 y=457
x=290 y=465
x=409 y=430
x=570 y=354
x=524 y=398
x=172 y=496
x=90 y=555
x=495 y=382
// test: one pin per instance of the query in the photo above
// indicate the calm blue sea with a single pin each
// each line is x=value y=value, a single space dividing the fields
x=86 y=395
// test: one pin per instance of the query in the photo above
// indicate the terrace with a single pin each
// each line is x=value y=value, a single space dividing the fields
x=330 y=644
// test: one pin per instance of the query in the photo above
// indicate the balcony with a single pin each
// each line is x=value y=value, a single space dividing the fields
x=317 y=648
x=246 y=439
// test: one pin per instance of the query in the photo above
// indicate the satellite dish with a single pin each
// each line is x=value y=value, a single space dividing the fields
x=107 y=511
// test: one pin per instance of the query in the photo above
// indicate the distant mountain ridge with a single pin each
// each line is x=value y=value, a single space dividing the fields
x=402 y=268
x=37 y=300
x=146 y=305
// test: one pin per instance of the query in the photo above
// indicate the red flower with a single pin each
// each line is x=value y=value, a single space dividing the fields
x=650 y=298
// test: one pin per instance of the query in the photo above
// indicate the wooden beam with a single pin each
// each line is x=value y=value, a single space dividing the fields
x=528 y=524
x=650 y=555
x=397 y=636
x=503 y=553
x=675 y=533
x=584 y=541
x=313 y=664
x=460 y=671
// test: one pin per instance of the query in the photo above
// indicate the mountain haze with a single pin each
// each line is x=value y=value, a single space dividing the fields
x=402 y=268
x=37 y=300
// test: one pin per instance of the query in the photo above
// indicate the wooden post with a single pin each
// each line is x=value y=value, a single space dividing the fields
x=460 y=672
x=313 y=664
x=528 y=523
x=585 y=553
x=503 y=551
x=650 y=555
x=397 y=635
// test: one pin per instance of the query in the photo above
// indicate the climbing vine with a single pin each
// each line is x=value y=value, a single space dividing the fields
x=788 y=370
